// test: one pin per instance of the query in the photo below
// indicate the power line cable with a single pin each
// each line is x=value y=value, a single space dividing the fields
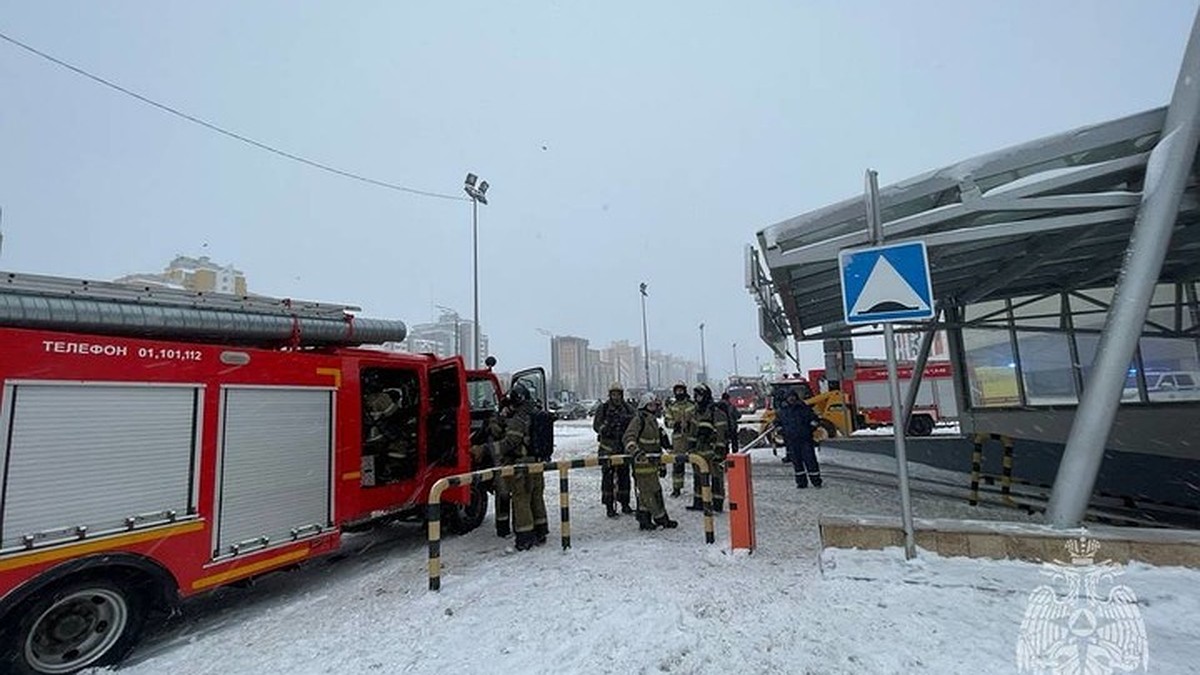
x=236 y=136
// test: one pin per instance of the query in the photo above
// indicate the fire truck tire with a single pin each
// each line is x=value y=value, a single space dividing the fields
x=920 y=425
x=462 y=518
x=73 y=625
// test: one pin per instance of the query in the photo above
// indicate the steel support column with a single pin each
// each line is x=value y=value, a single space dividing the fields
x=1166 y=177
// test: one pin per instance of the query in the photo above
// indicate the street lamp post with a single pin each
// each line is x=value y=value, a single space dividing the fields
x=735 y=368
x=477 y=194
x=703 y=359
x=645 y=337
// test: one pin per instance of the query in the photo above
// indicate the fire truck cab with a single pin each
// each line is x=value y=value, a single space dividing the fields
x=157 y=444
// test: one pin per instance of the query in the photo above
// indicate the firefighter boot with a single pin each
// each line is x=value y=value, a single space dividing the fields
x=610 y=510
x=644 y=522
x=697 y=505
x=502 y=529
x=665 y=521
x=718 y=505
x=540 y=532
x=625 y=508
x=525 y=541
x=675 y=492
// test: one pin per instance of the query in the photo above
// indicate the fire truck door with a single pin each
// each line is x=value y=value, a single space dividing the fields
x=534 y=380
x=276 y=463
x=447 y=382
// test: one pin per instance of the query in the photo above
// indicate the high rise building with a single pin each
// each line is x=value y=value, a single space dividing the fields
x=569 y=375
x=450 y=334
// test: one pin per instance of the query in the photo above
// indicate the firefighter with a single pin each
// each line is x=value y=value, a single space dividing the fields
x=483 y=458
x=528 y=503
x=679 y=417
x=644 y=440
x=610 y=421
x=384 y=430
x=732 y=415
x=708 y=441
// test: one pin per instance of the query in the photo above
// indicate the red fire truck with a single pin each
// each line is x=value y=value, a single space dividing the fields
x=157 y=444
x=873 y=403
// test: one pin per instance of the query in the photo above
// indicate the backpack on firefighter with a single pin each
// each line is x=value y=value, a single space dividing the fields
x=541 y=435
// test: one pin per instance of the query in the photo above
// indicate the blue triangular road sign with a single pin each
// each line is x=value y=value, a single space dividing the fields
x=886 y=283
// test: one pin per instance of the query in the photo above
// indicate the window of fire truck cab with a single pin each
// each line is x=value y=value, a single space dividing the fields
x=482 y=394
x=390 y=411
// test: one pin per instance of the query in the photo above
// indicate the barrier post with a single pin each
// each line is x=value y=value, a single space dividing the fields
x=741 y=501
x=976 y=467
x=1006 y=471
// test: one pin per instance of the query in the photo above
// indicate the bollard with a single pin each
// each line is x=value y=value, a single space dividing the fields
x=1006 y=470
x=976 y=467
x=741 y=501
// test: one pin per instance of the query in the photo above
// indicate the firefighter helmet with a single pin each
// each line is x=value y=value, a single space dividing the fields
x=702 y=391
x=647 y=399
x=679 y=385
x=616 y=386
x=519 y=393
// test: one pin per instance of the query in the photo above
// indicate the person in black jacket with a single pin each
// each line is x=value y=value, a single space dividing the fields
x=797 y=421
x=611 y=420
x=733 y=415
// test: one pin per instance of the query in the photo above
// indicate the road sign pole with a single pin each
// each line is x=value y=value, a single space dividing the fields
x=875 y=225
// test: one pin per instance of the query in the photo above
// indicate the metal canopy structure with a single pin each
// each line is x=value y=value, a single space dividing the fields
x=1052 y=215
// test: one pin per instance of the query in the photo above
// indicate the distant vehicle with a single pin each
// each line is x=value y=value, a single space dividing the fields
x=746 y=398
x=590 y=405
x=1173 y=385
x=869 y=390
x=574 y=410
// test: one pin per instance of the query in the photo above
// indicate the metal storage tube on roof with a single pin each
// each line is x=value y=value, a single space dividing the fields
x=62 y=304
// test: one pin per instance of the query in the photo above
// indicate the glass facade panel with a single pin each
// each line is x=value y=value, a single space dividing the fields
x=1046 y=368
x=1172 y=369
x=991 y=370
x=1087 y=344
x=1043 y=313
x=992 y=309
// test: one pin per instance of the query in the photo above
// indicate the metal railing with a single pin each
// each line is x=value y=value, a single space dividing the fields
x=433 y=509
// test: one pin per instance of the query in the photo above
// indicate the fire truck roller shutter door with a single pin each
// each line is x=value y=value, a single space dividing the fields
x=118 y=452
x=275 y=466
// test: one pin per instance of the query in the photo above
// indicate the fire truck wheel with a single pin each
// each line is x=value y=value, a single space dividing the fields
x=462 y=518
x=920 y=425
x=86 y=622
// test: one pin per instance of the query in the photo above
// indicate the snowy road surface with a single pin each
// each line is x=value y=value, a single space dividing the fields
x=624 y=601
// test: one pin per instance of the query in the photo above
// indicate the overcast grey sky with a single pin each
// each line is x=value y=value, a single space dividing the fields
x=624 y=141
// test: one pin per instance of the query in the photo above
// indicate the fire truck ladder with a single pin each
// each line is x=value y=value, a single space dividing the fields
x=59 y=303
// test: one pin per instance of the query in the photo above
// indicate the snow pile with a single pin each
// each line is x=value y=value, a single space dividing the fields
x=624 y=601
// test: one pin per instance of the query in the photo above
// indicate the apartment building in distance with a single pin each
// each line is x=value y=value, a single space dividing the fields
x=193 y=274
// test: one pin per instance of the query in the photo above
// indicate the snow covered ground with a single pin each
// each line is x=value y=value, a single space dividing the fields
x=625 y=601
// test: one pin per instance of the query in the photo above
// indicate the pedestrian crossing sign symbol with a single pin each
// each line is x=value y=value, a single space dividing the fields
x=886 y=283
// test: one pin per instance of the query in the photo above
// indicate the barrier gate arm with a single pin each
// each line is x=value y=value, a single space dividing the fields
x=433 y=507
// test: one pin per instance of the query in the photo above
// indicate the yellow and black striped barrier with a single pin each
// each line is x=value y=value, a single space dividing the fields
x=1006 y=467
x=433 y=508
